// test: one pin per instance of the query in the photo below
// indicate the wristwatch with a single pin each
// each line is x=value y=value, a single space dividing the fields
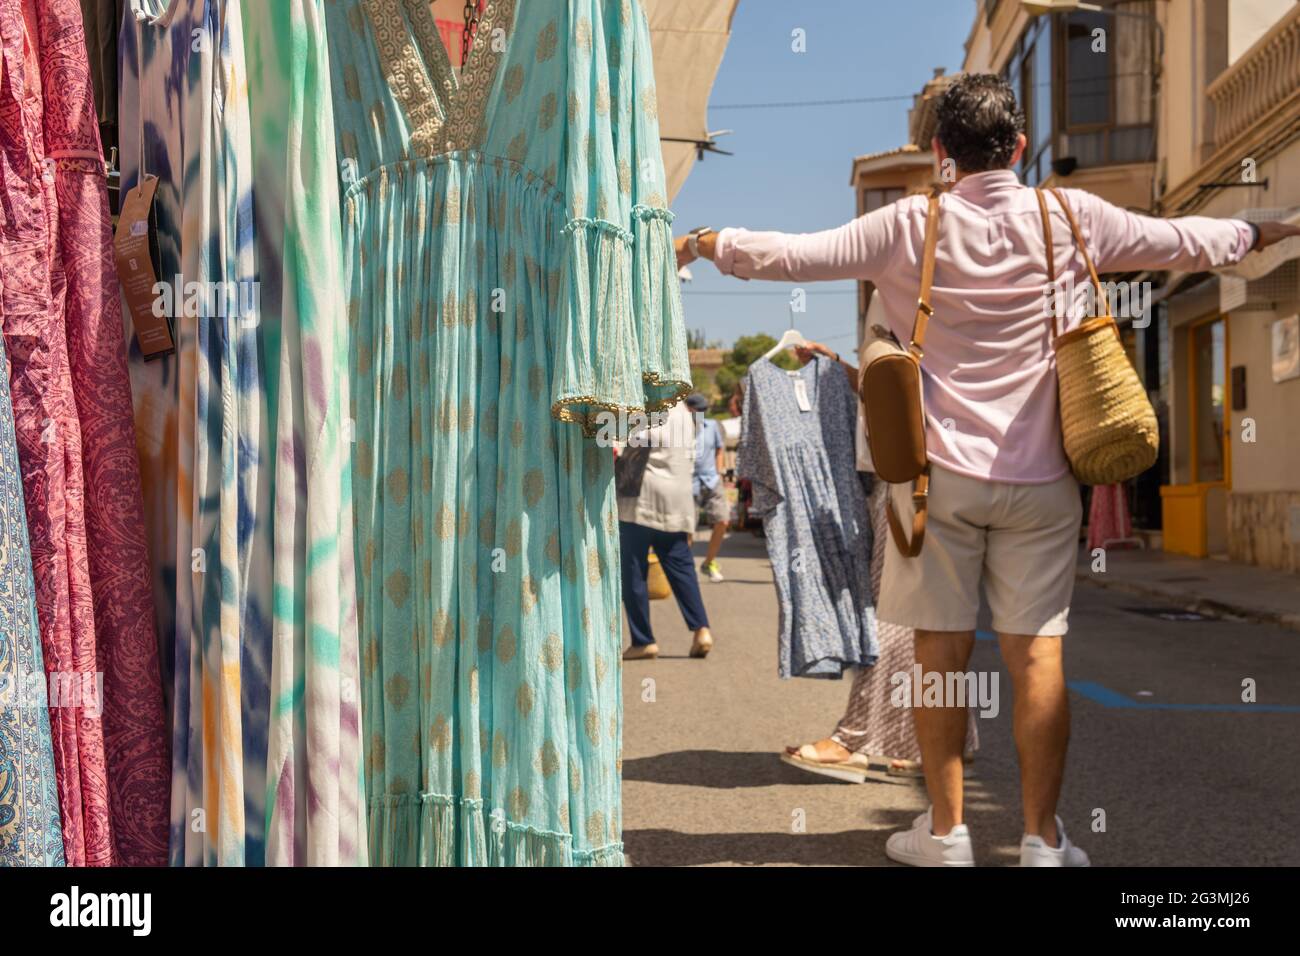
x=693 y=239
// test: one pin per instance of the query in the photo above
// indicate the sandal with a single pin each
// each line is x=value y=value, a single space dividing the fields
x=912 y=768
x=852 y=770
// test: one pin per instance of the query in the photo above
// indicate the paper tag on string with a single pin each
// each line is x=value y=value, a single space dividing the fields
x=135 y=271
x=801 y=395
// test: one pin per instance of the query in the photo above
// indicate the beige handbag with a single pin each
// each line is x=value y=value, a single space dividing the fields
x=890 y=388
x=1107 y=422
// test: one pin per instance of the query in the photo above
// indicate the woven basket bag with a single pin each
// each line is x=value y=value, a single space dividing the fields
x=1107 y=421
x=656 y=581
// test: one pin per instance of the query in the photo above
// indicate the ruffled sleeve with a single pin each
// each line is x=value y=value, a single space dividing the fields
x=622 y=339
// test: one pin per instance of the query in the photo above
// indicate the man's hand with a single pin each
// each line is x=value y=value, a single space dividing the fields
x=805 y=353
x=684 y=256
x=1271 y=232
x=707 y=244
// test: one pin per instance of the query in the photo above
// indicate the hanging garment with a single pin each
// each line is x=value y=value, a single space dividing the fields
x=315 y=792
x=796 y=446
x=151 y=116
x=177 y=68
x=135 y=738
x=1108 y=517
x=102 y=20
x=510 y=269
x=247 y=420
x=49 y=442
x=30 y=833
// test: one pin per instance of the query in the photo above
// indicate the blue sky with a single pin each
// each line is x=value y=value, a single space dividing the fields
x=791 y=168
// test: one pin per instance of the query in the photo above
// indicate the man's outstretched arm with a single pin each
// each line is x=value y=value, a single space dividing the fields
x=1123 y=241
x=856 y=250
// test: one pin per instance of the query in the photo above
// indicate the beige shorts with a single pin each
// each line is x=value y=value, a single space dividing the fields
x=715 y=504
x=1020 y=540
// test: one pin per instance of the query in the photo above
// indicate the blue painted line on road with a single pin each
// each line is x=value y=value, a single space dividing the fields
x=1109 y=698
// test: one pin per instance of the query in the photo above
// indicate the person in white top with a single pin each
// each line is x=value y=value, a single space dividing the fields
x=656 y=509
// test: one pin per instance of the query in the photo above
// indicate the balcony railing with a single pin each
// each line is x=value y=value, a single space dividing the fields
x=1266 y=75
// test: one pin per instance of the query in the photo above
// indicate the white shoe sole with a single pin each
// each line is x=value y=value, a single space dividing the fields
x=846 y=774
x=1056 y=866
x=921 y=860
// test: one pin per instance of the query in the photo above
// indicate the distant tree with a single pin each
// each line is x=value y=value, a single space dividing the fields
x=695 y=340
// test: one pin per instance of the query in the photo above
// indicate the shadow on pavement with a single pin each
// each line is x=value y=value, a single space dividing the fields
x=727 y=770
x=847 y=848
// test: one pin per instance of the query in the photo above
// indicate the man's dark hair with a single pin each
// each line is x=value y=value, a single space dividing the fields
x=979 y=122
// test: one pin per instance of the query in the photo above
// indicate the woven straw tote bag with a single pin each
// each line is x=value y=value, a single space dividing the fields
x=656 y=581
x=1107 y=421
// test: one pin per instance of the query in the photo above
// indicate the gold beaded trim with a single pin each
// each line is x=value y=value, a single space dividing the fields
x=563 y=410
x=405 y=69
x=466 y=128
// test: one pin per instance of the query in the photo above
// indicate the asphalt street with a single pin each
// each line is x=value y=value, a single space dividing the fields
x=1167 y=765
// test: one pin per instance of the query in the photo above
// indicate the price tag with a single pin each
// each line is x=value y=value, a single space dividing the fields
x=135 y=271
x=801 y=395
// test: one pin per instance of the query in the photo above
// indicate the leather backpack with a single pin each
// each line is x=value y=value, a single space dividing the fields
x=889 y=386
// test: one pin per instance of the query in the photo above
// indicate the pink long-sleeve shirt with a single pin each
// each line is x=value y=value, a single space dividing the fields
x=990 y=372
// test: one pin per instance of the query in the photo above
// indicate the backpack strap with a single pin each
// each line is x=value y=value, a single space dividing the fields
x=920 y=497
x=923 y=309
x=916 y=348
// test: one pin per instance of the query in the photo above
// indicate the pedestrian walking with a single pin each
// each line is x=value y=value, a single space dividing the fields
x=1004 y=507
x=656 y=509
x=708 y=484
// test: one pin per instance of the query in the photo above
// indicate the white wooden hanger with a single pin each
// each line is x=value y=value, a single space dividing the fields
x=790 y=338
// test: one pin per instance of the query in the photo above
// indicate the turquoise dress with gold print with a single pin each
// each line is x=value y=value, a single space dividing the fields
x=513 y=295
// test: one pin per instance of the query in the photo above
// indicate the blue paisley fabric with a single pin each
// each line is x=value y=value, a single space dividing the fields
x=30 y=832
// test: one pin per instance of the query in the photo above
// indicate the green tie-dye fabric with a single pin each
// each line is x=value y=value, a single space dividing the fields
x=243 y=430
x=511 y=280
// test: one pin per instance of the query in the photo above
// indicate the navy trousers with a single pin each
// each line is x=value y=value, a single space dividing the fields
x=674 y=551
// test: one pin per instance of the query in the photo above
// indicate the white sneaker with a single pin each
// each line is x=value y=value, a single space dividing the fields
x=920 y=847
x=714 y=572
x=1035 y=852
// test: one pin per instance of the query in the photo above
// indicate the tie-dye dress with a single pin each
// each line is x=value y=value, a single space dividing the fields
x=242 y=428
x=512 y=283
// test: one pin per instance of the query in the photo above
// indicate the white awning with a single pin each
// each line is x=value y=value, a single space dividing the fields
x=689 y=38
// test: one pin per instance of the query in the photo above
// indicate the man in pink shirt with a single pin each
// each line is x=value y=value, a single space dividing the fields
x=1004 y=509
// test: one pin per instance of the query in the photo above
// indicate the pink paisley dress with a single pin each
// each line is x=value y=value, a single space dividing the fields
x=73 y=420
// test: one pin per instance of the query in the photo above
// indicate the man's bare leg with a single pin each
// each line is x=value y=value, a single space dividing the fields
x=1041 y=724
x=941 y=731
